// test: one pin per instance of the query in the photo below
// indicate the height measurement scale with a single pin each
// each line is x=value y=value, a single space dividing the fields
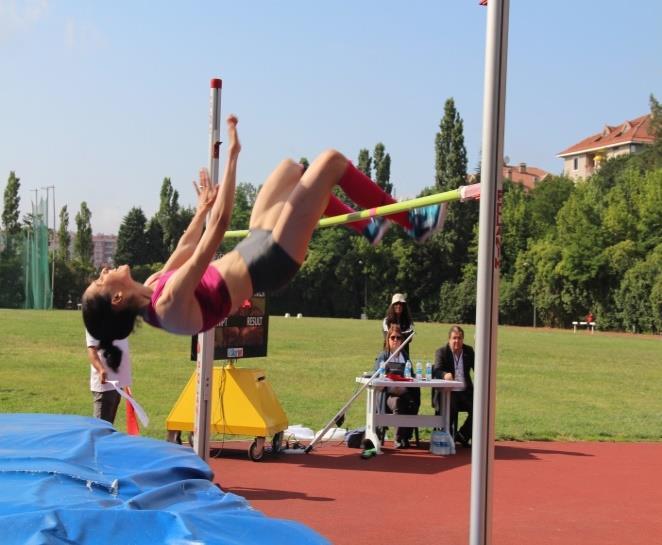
x=205 y=357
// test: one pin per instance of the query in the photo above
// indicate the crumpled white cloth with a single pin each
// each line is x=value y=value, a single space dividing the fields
x=142 y=415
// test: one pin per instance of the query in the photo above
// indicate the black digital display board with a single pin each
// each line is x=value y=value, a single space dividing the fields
x=243 y=334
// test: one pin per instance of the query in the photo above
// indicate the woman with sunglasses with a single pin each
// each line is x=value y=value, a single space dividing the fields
x=399 y=400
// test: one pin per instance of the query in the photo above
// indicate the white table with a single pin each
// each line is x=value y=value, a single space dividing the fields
x=375 y=418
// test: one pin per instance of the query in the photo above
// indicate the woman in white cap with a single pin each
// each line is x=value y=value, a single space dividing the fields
x=398 y=313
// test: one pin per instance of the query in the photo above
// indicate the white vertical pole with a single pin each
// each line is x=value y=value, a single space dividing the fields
x=54 y=235
x=489 y=262
x=205 y=359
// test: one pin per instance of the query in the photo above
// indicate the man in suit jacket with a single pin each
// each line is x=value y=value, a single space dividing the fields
x=455 y=361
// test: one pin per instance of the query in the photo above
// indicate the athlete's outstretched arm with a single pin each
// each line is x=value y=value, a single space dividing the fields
x=221 y=212
x=190 y=238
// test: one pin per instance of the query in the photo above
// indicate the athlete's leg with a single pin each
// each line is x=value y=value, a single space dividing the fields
x=367 y=194
x=336 y=207
x=307 y=203
x=274 y=194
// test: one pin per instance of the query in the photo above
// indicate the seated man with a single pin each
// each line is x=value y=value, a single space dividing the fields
x=455 y=361
x=399 y=400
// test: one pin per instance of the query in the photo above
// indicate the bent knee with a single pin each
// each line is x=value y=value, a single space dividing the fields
x=332 y=159
x=290 y=167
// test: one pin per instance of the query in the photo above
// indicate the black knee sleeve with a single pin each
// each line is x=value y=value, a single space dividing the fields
x=269 y=266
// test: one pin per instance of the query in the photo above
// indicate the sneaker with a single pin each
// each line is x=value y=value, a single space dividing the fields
x=401 y=443
x=426 y=221
x=463 y=439
x=376 y=229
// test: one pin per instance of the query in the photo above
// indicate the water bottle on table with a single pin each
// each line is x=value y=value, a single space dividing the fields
x=408 y=369
x=382 y=369
x=419 y=371
x=428 y=370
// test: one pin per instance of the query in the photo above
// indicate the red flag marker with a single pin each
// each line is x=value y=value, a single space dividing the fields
x=131 y=420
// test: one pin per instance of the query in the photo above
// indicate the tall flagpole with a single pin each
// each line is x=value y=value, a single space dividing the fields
x=205 y=359
x=489 y=263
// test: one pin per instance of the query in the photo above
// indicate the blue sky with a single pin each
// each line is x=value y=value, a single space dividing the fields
x=105 y=99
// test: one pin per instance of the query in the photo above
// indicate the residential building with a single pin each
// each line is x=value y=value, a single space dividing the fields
x=523 y=174
x=582 y=159
x=105 y=247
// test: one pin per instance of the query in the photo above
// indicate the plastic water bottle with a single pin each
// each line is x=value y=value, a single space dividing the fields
x=419 y=371
x=428 y=371
x=408 y=369
x=382 y=369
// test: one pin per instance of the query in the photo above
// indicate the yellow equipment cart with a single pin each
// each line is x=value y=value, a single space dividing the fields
x=243 y=403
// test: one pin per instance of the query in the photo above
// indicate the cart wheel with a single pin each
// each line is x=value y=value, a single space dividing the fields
x=277 y=443
x=174 y=436
x=256 y=450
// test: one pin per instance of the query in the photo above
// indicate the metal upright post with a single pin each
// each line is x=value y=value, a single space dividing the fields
x=205 y=359
x=53 y=243
x=489 y=262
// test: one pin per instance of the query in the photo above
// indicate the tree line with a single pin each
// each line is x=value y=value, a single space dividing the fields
x=567 y=248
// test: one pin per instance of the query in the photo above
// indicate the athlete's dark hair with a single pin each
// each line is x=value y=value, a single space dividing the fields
x=106 y=324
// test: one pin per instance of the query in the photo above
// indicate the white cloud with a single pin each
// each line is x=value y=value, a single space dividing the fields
x=17 y=16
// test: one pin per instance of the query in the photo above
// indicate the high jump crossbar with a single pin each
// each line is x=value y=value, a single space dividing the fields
x=462 y=193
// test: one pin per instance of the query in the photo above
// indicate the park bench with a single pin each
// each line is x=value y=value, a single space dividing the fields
x=588 y=325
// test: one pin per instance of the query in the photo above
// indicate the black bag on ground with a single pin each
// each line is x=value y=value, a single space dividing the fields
x=354 y=438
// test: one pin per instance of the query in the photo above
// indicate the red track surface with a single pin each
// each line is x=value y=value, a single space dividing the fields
x=544 y=493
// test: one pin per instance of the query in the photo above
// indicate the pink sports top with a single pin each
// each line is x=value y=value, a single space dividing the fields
x=212 y=296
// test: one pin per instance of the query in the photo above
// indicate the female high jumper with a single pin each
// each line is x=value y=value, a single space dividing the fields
x=192 y=293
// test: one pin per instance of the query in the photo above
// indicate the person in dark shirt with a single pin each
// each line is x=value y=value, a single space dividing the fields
x=455 y=361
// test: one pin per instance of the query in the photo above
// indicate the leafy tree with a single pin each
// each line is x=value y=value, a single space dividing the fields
x=244 y=199
x=364 y=163
x=545 y=201
x=155 y=249
x=168 y=215
x=458 y=300
x=182 y=220
x=71 y=280
x=450 y=173
x=639 y=297
x=305 y=162
x=63 y=236
x=11 y=243
x=382 y=168
x=516 y=225
x=83 y=245
x=12 y=201
x=655 y=151
x=131 y=240
x=450 y=152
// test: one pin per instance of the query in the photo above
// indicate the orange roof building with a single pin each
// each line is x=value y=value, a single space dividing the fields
x=584 y=158
x=525 y=175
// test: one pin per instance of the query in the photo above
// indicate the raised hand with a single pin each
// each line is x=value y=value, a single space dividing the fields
x=205 y=190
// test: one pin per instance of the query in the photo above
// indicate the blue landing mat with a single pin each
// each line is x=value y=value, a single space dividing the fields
x=76 y=480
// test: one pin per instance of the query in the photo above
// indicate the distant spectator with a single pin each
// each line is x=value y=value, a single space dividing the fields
x=399 y=400
x=455 y=361
x=105 y=398
x=398 y=313
x=589 y=318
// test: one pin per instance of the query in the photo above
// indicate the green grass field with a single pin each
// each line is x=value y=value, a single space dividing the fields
x=551 y=384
